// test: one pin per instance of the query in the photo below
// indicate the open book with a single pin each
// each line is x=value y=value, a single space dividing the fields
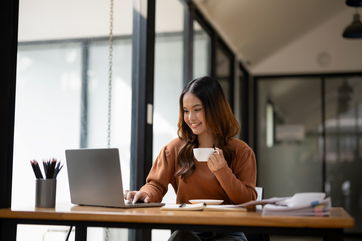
x=201 y=207
x=300 y=204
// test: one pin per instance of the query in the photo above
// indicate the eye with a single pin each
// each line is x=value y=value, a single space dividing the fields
x=186 y=111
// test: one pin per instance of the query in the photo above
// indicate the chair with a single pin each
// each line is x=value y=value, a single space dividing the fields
x=258 y=236
x=259 y=191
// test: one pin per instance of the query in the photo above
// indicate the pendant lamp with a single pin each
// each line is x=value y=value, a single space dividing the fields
x=354 y=3
x=354 y=30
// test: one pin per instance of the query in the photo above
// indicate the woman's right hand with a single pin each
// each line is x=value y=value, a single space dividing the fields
x=136 y=196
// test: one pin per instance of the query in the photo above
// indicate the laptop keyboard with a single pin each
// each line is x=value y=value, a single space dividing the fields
x=140 y=205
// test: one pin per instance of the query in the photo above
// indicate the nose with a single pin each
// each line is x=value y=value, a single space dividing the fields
x=191 y=115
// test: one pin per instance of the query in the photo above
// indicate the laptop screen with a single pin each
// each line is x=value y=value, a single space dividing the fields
x=95 y=177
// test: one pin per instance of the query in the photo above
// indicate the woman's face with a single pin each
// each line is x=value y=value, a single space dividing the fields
x=194 y=114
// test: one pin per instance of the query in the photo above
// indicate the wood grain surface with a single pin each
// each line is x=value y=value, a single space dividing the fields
x=339 y=218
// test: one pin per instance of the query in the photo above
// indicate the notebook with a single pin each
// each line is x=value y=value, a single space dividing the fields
x=95 y=179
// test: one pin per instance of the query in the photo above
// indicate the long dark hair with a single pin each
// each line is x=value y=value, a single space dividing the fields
x=219 y=120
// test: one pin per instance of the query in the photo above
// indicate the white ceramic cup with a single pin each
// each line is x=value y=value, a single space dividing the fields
x=202 y=154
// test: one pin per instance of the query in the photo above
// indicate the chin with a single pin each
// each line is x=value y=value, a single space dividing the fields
x=197 y=132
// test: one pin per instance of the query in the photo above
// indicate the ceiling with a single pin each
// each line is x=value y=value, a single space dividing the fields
x=257 y=29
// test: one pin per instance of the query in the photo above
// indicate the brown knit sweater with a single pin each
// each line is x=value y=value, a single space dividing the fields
x=234 y=184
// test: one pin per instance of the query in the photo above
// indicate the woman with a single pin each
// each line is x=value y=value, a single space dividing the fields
x=205 y=120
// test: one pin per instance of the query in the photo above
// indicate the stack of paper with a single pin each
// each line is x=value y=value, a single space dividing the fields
x=301 y=204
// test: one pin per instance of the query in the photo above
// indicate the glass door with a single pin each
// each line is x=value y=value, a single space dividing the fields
x=343 y=126
x=288 y=146
x=309 y=135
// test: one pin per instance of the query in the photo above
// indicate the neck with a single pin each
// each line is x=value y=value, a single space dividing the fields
x=205 y=140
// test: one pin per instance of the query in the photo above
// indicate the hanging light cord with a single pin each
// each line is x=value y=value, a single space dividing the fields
x=109 y=114
x=110 y=72
x=110 y=65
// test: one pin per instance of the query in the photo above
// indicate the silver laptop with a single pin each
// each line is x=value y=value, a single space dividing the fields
x=95 y=178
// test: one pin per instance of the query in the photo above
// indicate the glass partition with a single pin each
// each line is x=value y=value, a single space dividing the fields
x=343 y=145
x=223 y=74
x=289 y=127
x=121 y=99
x=167 y=84
x=62 y=94
x=202 y=50
x=47 y=118
x=309 y=138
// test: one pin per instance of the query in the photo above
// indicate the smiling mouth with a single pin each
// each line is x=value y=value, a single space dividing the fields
x=193 y=126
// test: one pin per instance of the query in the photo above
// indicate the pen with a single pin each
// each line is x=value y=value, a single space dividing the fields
x=315 y=203
x=58 y=167
x=51 y=168
x=36 y=169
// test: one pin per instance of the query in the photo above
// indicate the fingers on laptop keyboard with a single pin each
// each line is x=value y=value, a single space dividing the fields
x=140 y=196
x=126 y=194
x=129 y=195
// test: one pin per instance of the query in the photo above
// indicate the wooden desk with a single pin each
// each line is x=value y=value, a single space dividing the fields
x=331 y=228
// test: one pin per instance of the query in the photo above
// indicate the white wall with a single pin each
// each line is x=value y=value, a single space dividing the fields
x=323 y=49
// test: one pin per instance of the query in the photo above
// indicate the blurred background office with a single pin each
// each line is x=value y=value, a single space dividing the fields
x=293 y=80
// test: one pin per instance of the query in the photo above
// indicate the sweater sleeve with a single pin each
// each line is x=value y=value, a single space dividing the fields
x=160 y=175
x=239 y=181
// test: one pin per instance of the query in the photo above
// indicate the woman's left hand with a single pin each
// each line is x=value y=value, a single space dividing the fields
x=216 y=160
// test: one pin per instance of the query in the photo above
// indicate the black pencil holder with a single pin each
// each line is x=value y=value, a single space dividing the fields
x=45 y=193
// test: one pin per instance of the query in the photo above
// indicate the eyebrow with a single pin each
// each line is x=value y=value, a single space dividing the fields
x=197 y=105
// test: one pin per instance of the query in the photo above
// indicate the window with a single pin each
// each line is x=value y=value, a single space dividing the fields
x=62 y=93
x=47 y=117
x=168 y=83
x=202 y=45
